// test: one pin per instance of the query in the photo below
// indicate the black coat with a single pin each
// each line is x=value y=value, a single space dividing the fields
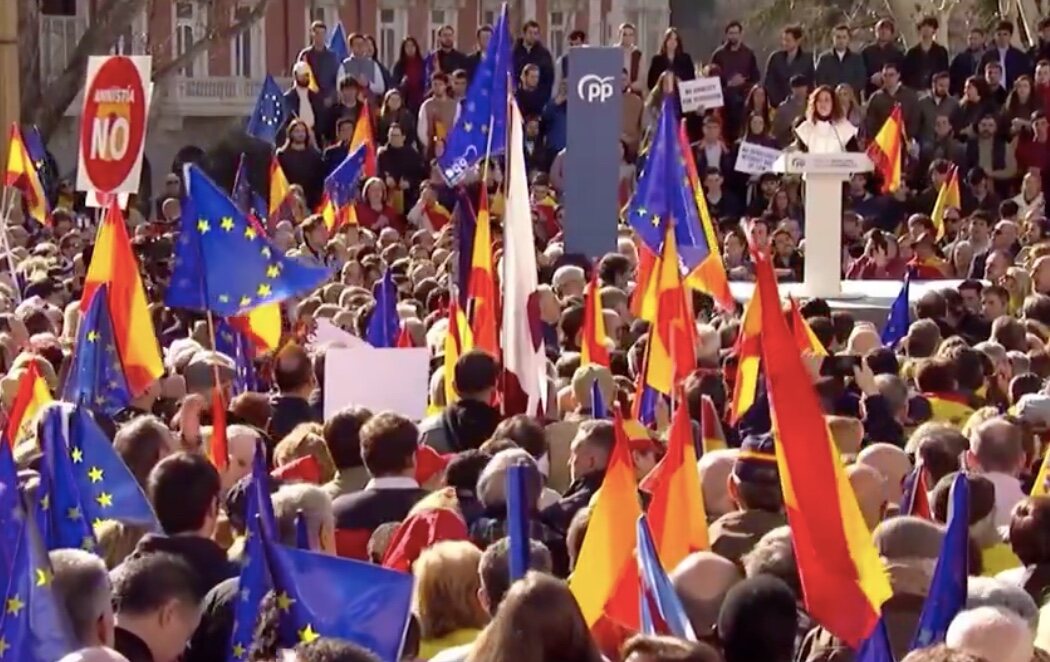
x=682 y=66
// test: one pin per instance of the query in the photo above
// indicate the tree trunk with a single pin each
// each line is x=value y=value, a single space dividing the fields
x=28 y=51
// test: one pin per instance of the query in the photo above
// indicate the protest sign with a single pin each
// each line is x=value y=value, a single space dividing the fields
x=394 y=379
x=755 y=159
x=701 y=94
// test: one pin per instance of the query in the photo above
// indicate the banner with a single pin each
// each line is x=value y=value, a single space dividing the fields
x=755 y=159
x=592 y=157
x=113 y=123
x=701 y=93
x=395 y=379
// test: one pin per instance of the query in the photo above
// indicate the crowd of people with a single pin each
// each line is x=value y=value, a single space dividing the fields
x=966 y=390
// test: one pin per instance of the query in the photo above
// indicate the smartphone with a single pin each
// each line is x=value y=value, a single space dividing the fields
x=839 y=366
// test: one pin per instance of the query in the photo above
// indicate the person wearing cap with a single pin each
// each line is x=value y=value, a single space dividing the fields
x=926 y=263
x=300 y=100
x=996 y=555
x=754 y=486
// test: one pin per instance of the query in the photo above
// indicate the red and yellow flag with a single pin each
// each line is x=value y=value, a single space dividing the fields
x=458 y=341
x=605 y=581
x=218 y=446
x=887 y=150
x=646 y=262
x=481 y=288
x=311 y=79
x=279 y=187
x=363 y=136
x=805 y=338
x=676 y=511
x=32 y=395
x=1039 y=487
x=592 y=346
x=710 y=275
x=748 y=359
x=22 y=175
x=712 y=437
x=948 y=197
x=262 y=325
x=114 y=264
x=843 y=579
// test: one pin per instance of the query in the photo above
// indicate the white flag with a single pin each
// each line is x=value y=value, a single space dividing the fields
x=522 y=335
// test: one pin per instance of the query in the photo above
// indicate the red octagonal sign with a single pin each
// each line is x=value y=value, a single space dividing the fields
x=113 y=126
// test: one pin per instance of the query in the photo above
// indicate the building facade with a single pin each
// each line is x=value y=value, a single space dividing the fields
x=203 y=101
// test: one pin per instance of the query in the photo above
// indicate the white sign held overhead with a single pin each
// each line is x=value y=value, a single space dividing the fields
x=755 y=159
x=379 y=379
x=701 y=94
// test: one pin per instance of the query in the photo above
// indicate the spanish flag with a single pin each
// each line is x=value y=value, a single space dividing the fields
x=30 y=398
x=605 y=581
x=592 y=346
x=710 y=275
x=887 y=150
x=843 y=580
x=947 y=198
x=279 y=188
x=262 y=325
x=1039 y=487
x=646 y=262
x=748 y=352
x=671 y=351
x=458 y=341
x=312 y=84
x=114 y=264
x=676 y=511
x=481 y=288
x=218 y=445
x=712 y=437
x=363 y=136
x=22 y=175
x=805 y=338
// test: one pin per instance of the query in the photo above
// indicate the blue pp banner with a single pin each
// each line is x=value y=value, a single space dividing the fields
x=592 y=157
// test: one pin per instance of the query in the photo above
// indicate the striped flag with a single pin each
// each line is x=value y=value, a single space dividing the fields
x=887 y=150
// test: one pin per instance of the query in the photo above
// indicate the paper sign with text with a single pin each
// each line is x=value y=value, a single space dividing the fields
x=379 y=379
x=701 y=93
x=755 y=159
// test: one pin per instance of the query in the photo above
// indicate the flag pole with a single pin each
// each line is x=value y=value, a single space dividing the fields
x=217 y=393
x=7 y=201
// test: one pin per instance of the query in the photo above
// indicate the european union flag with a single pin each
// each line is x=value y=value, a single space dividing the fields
x=222 y=264
x=661 y=610
x=947 y=594
x=598 y=409
x=254 y=580
x=337 y=43
x=342 y=184
x=96 y=378
x=33 y=628
x=236 y=345
x=86 y=481
x=876 y=648
x=11 y=516
x=517 y=522
x=269 y=114
x=484 y=111
x=897 y=323
x=246 y=199
x=384 y=325
x=38 y=155
x=664 y=195
x=328 y=596
x=302 y=534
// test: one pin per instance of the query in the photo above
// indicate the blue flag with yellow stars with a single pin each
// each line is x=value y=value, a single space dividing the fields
x=384 y=326
x=222 y=263
x=33 y=627
x=664 y=195
x=96 y=377
x=341 y=186
x=235 y=344
x=270 y=112
x=947 y=594
x=899 y=319
x=484 y=110
x=83 y=480
x=328 y=596
x=11 y=516
x=877 y=647
x=337 y=43
x=254 y=580
x=247 y=200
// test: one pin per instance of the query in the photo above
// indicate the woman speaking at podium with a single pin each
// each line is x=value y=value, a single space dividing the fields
x=825 y=130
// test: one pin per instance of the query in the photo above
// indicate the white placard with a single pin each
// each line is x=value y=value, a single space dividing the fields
x=395 y=379
x=755 y=159
x=93 y=200
x=701 y=93
x=328 y=334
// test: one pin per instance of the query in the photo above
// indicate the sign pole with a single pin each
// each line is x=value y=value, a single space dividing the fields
x=7 y=203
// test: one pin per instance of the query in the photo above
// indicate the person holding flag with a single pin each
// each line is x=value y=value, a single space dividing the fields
x=323 y=58
x=303 y=99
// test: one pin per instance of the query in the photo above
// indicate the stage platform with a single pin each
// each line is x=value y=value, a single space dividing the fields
x=867 y=300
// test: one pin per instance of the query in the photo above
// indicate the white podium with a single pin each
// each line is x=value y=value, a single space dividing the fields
x=823 y=175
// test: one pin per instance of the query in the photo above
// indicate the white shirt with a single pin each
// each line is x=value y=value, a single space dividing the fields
x=1008 y=493
x=822 y=137
x=392 y=483
x=306 y=109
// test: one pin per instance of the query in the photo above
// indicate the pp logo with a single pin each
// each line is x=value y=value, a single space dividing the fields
x=594 y=88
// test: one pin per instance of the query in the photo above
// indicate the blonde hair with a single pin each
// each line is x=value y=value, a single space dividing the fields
x=444 y=498
x=446 y=592
x=306 y=439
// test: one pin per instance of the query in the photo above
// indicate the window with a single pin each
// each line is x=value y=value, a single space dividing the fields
x=391 y=28
x=132 y=39
x=325 y=11
x=248 y=46
x=59 y=7
x=439 y=18
x=185 y=32
x=559 y=26
x=488 y=17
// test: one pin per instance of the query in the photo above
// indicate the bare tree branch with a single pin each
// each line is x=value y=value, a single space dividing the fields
x=217 y=31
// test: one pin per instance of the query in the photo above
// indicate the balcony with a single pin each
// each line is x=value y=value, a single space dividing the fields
x=210 y=96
